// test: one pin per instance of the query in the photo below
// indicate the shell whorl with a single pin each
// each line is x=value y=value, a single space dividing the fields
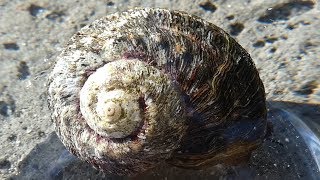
x=125 y=95
x=140 y=87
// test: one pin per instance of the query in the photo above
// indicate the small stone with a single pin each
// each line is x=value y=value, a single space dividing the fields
x=259 y=43
x=56 y=16
x=12 y=137
x=11 y=46
x=41 y=134
x=110 y=3
x=5 y=164
x=23 y=70
x=208 y=6
x=307 y=88
x=34 y=10
x=230 y=17
x=4 y=108
x=236 y=28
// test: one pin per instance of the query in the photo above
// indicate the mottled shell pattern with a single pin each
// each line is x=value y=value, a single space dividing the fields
x=137 y=88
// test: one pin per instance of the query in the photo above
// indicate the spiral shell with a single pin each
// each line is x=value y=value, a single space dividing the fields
x=137 y=88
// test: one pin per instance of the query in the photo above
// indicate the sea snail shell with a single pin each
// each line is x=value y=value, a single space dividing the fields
x=137 y=88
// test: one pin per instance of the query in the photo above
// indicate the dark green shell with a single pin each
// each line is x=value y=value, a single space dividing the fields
x=223 y=97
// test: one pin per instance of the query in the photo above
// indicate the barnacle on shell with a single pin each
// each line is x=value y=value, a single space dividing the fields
x=137 y=88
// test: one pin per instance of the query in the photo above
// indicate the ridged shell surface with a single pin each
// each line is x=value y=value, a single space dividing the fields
x=137 y=88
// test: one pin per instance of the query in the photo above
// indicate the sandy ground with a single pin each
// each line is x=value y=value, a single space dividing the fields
x=282 y=37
